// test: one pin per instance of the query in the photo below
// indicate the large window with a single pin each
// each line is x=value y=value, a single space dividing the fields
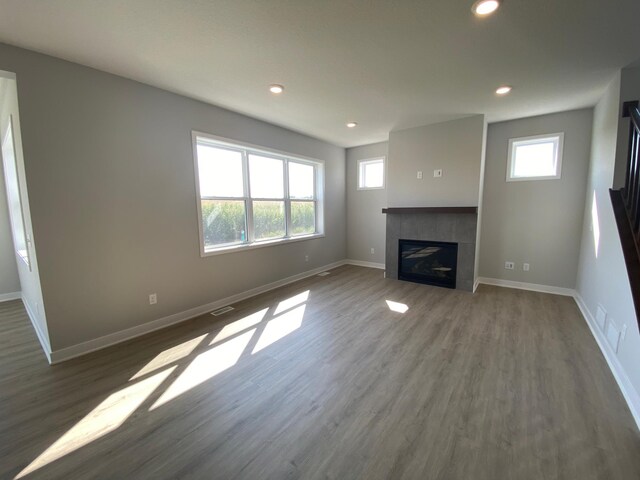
x=535 y=158
x=250 y=196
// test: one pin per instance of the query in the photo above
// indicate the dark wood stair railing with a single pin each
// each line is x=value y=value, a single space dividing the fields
x=626 y=205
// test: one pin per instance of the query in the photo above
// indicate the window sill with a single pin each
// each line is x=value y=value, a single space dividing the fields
x=530 y=179
x=370 y=188
x=266 y=243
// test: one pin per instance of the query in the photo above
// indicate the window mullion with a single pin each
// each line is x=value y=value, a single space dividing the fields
x=247 y=198
x=287 y=200
x=315 y=199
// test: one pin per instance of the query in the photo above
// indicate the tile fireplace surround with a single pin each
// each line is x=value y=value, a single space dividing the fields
x=438 y=224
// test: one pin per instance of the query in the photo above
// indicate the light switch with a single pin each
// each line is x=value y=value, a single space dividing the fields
x=437 y=173
x=419 y=176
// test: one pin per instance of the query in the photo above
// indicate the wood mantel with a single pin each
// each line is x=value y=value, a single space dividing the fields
x=430 y=210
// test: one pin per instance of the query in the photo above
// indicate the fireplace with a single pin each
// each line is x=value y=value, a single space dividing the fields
x=433 y=263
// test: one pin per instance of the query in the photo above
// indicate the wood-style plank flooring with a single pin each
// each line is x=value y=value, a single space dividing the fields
x=501 y=384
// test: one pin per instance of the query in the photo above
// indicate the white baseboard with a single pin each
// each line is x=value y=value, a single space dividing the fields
x=5 y=297
x=475 y=284
x=534 y=287
x=361 y=263
x=105 y=341
x=626 y=387
x=44 y=342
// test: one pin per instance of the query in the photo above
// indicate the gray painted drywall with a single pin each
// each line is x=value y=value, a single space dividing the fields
x=111 y=182
x=29 y=280
x=9 y=280
x=455 y=147
x=365 y=221
x=629 y=91
x=536 y=222
x=602 y=275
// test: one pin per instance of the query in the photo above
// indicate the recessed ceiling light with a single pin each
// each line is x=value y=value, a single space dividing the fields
x=275 y=88
x=503 y=90
x=352 y=124
x=483 y=8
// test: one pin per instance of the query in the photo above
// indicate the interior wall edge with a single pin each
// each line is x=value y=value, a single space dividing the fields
x=42 y=338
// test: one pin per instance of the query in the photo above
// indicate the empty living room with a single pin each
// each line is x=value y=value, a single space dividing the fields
x=302 y=239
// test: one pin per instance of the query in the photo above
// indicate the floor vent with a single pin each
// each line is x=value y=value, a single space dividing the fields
x=222 y=310
x=323 y=274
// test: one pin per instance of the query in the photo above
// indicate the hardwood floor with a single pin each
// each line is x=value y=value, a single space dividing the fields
x=502 y=384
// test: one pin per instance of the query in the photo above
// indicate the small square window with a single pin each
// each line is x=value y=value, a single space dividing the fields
x=535 y=158
x=371 y=174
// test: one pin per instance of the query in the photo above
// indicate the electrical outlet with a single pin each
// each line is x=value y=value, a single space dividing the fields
x=373 y=250
x=153 y=299
x=509 y=265
x=437 y=173
x=419 y=175
x=525 y=267
x=306 y=258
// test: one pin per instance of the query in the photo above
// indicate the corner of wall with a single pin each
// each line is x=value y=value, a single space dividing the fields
x=483 y=158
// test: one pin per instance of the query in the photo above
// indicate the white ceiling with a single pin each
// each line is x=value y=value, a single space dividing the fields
x=384 y=64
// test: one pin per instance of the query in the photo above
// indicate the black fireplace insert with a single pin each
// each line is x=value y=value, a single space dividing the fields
x=433 y=263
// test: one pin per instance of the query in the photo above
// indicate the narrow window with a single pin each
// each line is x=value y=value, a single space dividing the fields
x=371 y=174
x=535 y=158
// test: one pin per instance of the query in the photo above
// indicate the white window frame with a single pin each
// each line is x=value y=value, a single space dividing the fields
x=246 y=149
x=368 y=161
x=558 y=141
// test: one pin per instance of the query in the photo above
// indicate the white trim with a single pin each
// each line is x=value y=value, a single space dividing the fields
x=241 y=247
x=475 y=284
x=558 y=141
x=626 y=387
x=39 y=333
x=5 y=297
x=534 y=287
x=361 y=263
x=99 y=343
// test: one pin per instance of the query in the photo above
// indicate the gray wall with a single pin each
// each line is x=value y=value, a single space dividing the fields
x=365 y=221
x=455 y=147
x=9 y=281
x=602 y=276
x=537 y=222
x=111 y=183
x=629 y=91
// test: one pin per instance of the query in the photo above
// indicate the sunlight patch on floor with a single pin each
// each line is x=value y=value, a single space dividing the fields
x=105 y=418
x=292 y=302
x=239 y=325
x=206 y=366
x=280 y=327
x=169 y=356
x=397 y=306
